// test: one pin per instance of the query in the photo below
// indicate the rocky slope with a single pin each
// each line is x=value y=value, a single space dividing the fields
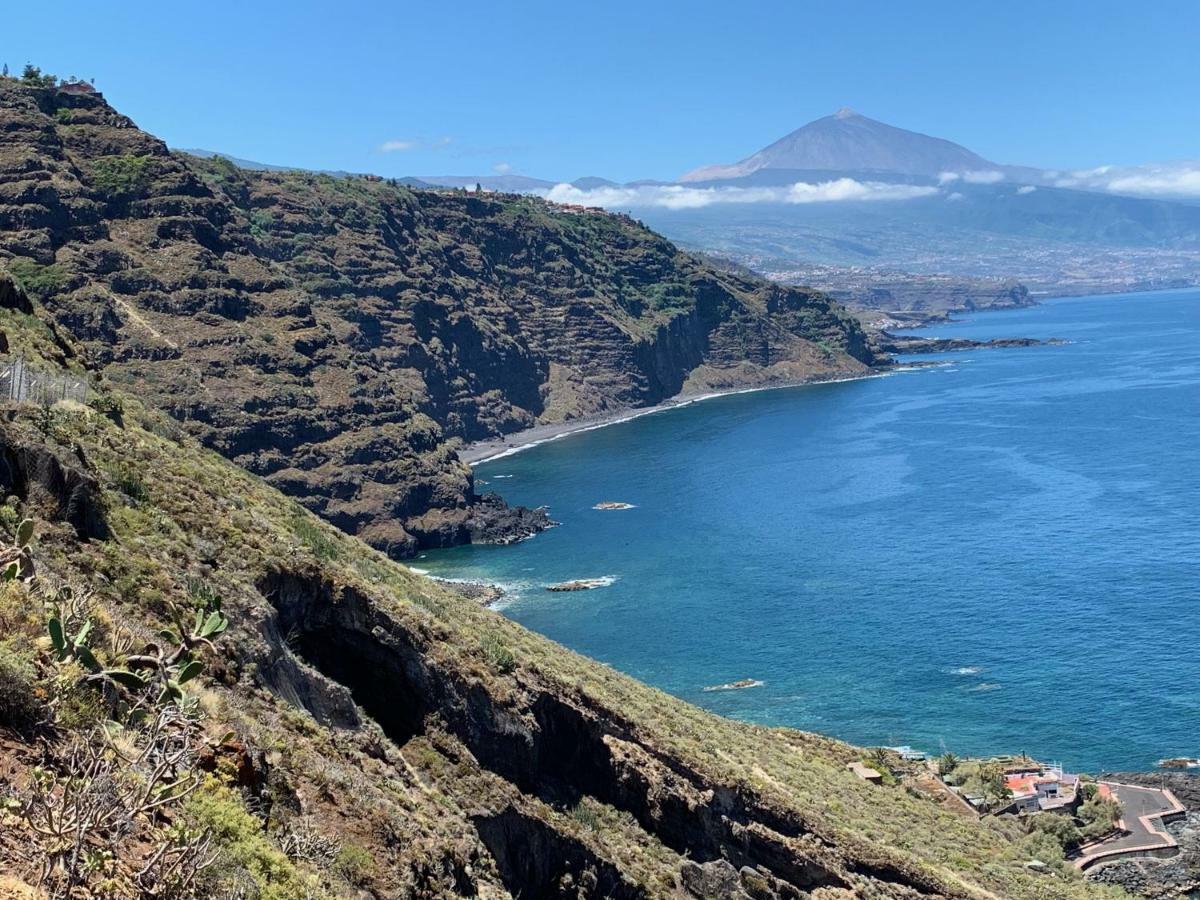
x=359 y=731
x=338 y=336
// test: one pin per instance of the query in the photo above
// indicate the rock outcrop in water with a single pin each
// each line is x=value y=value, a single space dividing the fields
x=894 y=343
x=337 y=336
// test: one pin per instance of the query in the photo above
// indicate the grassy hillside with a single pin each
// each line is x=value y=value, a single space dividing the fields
x=357 y=727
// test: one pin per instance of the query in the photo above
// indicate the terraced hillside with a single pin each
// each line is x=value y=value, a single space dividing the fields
x=338 y=336
x=334 y=725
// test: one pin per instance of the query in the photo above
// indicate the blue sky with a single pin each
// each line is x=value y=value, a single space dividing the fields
x=624 y=89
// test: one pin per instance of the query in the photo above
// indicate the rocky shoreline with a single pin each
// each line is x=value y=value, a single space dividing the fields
x=481 y=592
x=479 y=452
x=899 y=343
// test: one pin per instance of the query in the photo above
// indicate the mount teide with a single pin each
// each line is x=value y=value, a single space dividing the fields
x=847 y=141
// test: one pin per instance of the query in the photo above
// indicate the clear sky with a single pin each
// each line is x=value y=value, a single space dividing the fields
x=626 y=89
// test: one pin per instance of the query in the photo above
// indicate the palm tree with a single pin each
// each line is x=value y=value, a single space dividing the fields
x=947 y=763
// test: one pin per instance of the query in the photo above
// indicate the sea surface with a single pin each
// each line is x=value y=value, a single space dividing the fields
x=997 y=554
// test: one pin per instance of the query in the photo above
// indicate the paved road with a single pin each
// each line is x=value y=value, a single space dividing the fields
x=1142 y=808
x=1139 y=802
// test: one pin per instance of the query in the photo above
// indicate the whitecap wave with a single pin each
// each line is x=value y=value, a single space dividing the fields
x=735 y=685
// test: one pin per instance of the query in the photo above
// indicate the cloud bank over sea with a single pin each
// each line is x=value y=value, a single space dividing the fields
x=1170 y=179
x=676 y=196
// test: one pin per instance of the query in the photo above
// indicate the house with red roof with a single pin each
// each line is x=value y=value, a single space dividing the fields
x=1045 y=789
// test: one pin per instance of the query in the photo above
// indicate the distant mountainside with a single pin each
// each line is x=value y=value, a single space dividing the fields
x=339 y=336
x=956 y=214
x=510 y=184
x=847 y=141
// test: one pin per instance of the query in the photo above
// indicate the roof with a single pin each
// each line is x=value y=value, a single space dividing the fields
x=1021 y=785
x=864 y=771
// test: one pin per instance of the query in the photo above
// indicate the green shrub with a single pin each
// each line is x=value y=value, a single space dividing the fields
x=585 y=816
x=204 y=596
x=316 y=538
x=20 y=708
x=499 y=657
x=354 y=864
x=1061 y=828
x=121 y=176
x=243 y=844
x=108 y=405
x=261 y=221
x=78 y=707
x=1099 y=816
x=1042 y=846
x=38 y=280
x=32 y=75
x=129 y=482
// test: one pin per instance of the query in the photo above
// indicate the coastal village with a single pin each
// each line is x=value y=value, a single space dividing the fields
x=1094 y=822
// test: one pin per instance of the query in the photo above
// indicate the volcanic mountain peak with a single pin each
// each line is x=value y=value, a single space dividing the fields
x=848 y=141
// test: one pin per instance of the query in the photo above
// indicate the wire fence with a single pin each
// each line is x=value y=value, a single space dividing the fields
x=23 y=384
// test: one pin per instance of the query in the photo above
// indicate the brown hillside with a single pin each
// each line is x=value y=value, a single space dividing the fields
x=338 y=335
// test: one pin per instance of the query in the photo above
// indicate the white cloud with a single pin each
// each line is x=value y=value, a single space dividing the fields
x=1026 y=189
x=674 y=196
x=400 y=145
x=955 y=197
x=502 y=168
x=1175 y=179
x=978 y=176
x=983 y=176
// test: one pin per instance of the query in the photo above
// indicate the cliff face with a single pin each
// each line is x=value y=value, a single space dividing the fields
x=339 y=336
x=360 y=731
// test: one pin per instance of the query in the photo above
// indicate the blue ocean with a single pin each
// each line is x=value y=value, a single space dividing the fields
x=996 y=553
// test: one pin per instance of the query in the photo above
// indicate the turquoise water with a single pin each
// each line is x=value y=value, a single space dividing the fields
x=998 y=554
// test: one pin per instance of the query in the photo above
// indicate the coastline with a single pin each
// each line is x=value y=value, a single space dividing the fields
x=479 y=452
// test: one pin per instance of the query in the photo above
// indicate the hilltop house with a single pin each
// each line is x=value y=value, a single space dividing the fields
x=77 y=87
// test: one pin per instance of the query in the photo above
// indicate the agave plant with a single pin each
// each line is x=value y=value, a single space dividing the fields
x=16 y=560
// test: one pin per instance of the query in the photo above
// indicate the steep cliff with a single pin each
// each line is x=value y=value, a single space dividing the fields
x=338 y=336
x=359 y=731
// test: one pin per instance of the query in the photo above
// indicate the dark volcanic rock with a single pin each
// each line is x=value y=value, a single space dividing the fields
x=1184 y=785
x=492 y=521
x=336 y=335
x=894 y=343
